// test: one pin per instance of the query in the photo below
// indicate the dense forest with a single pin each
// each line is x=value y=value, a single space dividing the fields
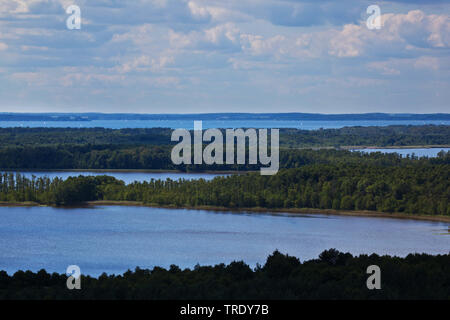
x=323 y=179
x=158 y=157
x=334 y=275
x=416 y=188
x=329 y=179
x=294 y=138
x=92 y=149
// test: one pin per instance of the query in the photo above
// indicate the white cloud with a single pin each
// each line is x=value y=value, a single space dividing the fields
x=140 y=35
x=349 y=42
x=414 y=30
x=198 y=11
x=224 y=36
x=257 y=45
x=13 y=6
x=85 y=79
x=214 y=48
x=145 y=63
x=216 y=13
x=26 y=7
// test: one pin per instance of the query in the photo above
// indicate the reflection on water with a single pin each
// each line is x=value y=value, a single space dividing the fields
x=113 y=239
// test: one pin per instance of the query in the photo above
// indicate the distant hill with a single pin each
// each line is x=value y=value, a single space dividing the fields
x=220 y=116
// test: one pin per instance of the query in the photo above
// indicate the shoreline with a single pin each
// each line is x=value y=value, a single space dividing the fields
x=312 y=211
x=129 y=171
x=396 y=147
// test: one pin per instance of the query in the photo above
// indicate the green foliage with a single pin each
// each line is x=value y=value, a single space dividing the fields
x=347 y=136
x=158 y=157
x=98 y=148
x=335 y=275
x=416 y=189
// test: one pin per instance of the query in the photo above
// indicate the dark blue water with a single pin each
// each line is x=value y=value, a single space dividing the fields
x=128 y=177
x=419 y=152
x=113 y=239
x=189 y=124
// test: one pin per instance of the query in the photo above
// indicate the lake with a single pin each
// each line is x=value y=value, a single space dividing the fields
x=126 y=176
x=420 y=152
x=189 y=124
x=113 y=239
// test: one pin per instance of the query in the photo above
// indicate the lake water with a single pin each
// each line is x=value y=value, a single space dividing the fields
x=189 y=124
x=128 y=177
x=113 y=239
x=420 y=152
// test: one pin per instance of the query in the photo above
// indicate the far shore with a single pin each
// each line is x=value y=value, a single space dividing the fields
x=397 y=147
x=354 y=213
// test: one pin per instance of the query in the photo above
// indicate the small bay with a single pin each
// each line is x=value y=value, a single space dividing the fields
x=113 y=239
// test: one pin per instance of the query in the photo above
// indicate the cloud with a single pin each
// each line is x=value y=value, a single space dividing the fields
x=395 y=67
x=400 y=34
x=144 y=64
x=88 y=79
x=257 y=45
x=223 y=37
x=14 y=8
x=207 y=13
x=243 y=53
x=384 y=67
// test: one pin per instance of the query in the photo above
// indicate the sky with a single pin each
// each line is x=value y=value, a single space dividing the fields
x=177 y=56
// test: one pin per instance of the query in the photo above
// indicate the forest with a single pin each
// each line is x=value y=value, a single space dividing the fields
x=147 y=149
x=99 y=148
x=309 y=178
x=293 y=138
x=158 y=157
x=413 y=188
x=330 y=178
x=334 y=275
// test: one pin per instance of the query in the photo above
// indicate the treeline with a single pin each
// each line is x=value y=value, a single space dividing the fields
x=367 y=136
x=413 y=189
x=158 y=157
x=334 y=275
x=87 y=157
x=348 y=136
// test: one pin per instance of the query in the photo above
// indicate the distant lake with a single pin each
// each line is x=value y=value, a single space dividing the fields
x=127 y=177
x=189 y=124
x=113 y=239
x=420 y=152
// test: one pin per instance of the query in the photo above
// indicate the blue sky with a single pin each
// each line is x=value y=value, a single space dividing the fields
x=169 y=56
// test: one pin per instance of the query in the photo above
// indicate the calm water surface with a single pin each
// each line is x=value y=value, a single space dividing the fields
x=189 y=124
x=113 y=239
x=127 y=177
